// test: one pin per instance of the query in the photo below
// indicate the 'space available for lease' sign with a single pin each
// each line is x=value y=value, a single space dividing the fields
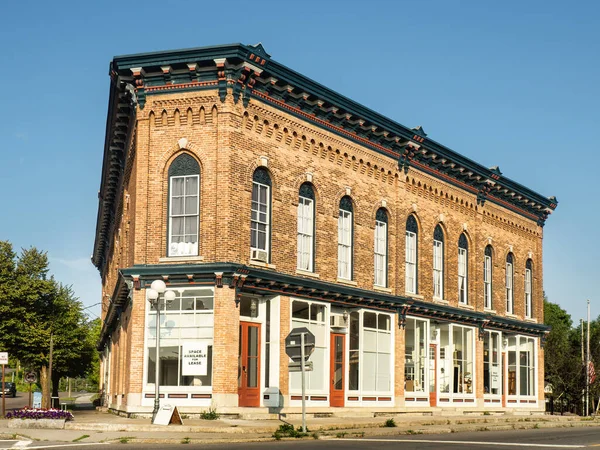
x=194 y=359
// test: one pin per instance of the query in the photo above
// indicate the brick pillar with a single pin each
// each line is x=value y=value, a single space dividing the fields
x=399 y=342
x=478 y=371
x=225 y=348
x=284 y=376
x=137 y=322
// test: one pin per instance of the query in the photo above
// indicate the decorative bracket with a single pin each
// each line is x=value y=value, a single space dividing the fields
x=222 y=83
x=543 y=217
x=219 y=279
x=483 y=192
x=543 y=338
x=136 y=282
x=481 y=327
x=407 y=156
x=236 y=283
x=402 y=316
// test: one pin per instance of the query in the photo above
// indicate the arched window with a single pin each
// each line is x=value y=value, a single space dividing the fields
x=410 y=259
x=381 y=223
x=487 y=278
x=438 y=262
x=345 y=231
x=184 y=207
x=463 y=270
x=306 y=228
x=528 y=289
x=510 y=303
x=260 y=221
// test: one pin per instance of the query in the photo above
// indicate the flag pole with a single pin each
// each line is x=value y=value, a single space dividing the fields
x=587 y=366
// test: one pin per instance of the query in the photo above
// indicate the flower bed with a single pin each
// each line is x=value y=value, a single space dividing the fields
x=37 y=414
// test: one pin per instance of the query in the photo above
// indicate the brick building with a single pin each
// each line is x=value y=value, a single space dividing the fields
x=267 y=201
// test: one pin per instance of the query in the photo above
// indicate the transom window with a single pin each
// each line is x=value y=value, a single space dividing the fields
x=184 y=193
x=528 y=290
x=260 y=214
x=510 y=304
x=345 y=239
x=487 y=278
x=463 y=269
x=381 y=222
x=306 y=227
x=411 y=255
x=438 y=262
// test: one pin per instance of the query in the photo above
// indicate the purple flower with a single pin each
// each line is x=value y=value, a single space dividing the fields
x=39 y=413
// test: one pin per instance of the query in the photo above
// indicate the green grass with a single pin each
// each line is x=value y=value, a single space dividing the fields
x=211 y=414
x=80 y=438
x=288 y=430
x=125 y=439
x=390 y=423
x=186 y=440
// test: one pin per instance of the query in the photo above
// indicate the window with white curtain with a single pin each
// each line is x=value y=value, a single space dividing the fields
x=463 y=269
x=410 y=260
x=184 y=194
x=492 y=363
x=306 y=227
x=438 y=263
x=260 y=211
x=528 y=299
x=345 y=239
x=381 y=248
x=377 y=353
x=313 y=316
x=510 y=304
x=487 y=278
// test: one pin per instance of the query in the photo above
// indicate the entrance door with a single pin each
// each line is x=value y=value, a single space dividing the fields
x=337 y=369
x=504 y=377
x=432 y=375
x=249 y=365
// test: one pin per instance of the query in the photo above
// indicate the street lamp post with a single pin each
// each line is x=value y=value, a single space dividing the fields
x=157 y=288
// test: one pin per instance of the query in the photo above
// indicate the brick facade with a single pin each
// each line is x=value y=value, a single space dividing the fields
x=230 y=141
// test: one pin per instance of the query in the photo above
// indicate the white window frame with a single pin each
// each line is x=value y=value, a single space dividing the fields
x=184 y=216
x=487 y=282
x=463 y=281
x=380 y=253
x=520 y=345
x=494 y=362
x=306 y=222
x=438 y=269
x=345 y=245
x=510 y=304
x=255 y=216
x=528 y=293
x=411 y=263
x=423 y=360
x=382 y=335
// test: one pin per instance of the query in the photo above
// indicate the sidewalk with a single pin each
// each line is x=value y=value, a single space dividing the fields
x=96 y=426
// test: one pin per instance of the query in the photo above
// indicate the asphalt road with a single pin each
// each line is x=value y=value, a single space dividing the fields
x=18 y=402
x=561 y=438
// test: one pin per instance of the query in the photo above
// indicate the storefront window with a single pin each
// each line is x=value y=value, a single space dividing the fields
x=521 y=365
x=188 y=320
x=415 y=356
x=376 y=352
x=456 y=359
x=354 y=357
x=492 y=372
x=312 y=316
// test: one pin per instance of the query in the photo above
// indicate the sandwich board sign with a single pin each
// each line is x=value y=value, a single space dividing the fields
x=166 y=415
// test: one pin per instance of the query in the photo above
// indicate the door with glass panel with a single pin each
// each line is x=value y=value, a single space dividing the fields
x=249 y=365
x=432 y=375
x=337 y=370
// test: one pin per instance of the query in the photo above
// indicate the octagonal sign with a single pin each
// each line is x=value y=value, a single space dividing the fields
x=293 y=342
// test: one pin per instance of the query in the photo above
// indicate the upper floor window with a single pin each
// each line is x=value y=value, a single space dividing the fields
x=381 y=222
x=510 y=304
x=411 y=255
x=184 y=194
x=260 y=222
x=306 y=227
x=528 y=290
x=438 y=262
x=463 y=269
x=487 y=278
x=345 y=225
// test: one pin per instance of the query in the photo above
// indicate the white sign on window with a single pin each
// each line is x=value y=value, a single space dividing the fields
x=194 y=359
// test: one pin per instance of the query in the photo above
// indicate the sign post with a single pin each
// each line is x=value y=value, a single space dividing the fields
x=30 y=377
x=3 y=361
x=299 y=345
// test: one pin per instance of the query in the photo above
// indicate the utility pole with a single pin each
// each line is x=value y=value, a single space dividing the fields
x=587 y=365
x=582 y=363
x=49 y=381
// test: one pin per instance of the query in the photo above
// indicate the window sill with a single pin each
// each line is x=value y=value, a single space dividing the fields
x=512 y=316
x=306 y=273
x=440 y=300
x=531 y=319
x=466 y=306
x=491 y=311
x=170 y=259
x=262 y=264
x=348 y=282
x=413 y=295
x=382 y=289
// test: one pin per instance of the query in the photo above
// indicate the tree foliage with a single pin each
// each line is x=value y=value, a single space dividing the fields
x=37 y=310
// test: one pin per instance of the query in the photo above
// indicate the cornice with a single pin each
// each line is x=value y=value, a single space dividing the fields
x=248 y=72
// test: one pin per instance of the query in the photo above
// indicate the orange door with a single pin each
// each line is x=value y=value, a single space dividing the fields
x=337 y=370
x=432 y=375
x=249 y=365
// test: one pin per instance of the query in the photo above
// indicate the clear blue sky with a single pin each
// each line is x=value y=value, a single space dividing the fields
x=511 y=83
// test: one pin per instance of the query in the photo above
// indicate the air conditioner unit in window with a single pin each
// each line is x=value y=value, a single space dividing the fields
x=259 y=255
x=339 y=322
